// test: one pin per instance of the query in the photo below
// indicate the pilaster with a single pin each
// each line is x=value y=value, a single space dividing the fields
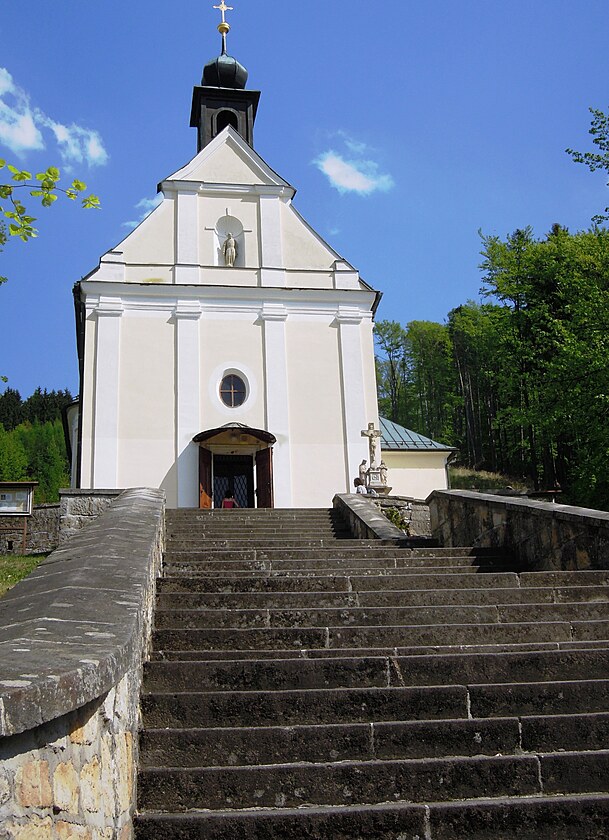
x=274 y=318
x=107 y=371
x=187 y=316
x=353 y=393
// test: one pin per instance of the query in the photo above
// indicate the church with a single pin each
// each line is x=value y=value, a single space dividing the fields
x=224 y=347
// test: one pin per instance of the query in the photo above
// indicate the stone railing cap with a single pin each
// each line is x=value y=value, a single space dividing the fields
x=70 y=630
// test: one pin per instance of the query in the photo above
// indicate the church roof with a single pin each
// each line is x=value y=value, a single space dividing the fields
x=395 y=438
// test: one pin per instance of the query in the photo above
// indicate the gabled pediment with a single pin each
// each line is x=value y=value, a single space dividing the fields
x=228 y=160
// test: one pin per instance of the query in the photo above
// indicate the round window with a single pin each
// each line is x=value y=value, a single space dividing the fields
x=233 y=391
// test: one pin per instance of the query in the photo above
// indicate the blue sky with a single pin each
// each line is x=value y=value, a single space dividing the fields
x=405 y=126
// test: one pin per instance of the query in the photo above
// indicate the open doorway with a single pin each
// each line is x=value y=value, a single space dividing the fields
x=234 y=474
x=239 y=460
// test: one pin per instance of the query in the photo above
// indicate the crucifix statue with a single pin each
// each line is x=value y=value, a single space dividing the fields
x=373 y=435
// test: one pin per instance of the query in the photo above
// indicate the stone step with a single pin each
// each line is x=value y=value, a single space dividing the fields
x=243 y=746
x=337 y=551
x=179 y=710
x=395 y=671
x=240 y=746
x=368 y=637
x=504 y=818
x=174 y=655
x=347 y=783
x=174 y=514
x=256 y=562
x=272 y=535
x=341 y=582
x=287 y=707
x=399 y=547
x=205 y=570
x=379 y=616
x=381 y=598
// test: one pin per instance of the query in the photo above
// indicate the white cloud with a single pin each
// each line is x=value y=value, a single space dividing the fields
x=76 y=144
x=146 y=206
x=21 y=128
x=359 y=175
x=18 y=129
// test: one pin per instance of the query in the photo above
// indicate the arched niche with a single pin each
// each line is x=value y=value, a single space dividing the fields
x=224 y=226
x=224 y=118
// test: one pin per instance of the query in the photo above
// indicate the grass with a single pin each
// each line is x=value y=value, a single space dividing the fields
x=463 y=479
x=14 y=568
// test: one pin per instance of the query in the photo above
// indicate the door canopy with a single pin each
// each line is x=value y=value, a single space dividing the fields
x=235 y=434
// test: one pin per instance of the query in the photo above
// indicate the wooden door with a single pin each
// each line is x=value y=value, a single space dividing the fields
x=264 y=478
x=205 y=489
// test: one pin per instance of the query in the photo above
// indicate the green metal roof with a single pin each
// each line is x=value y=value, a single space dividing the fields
x=395 y=438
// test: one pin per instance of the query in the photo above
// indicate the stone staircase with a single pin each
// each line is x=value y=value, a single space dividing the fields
x=306 y=685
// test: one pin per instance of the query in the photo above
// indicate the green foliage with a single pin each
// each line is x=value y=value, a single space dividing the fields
x=520 y=383
x=41 y=406
x=14 y=568
x=462 y=478
x=32 y=444
x=45 y=187
x=596 y=160
x=396 y=518
x=416 y=376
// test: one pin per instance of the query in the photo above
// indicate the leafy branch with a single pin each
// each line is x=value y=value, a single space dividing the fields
x=45 y=187
x=599 y=129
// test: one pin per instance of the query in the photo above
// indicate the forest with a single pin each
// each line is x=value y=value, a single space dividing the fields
x=518 y=382
x=32 y=442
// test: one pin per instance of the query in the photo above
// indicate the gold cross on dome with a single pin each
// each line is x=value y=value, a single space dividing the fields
x=224 y=8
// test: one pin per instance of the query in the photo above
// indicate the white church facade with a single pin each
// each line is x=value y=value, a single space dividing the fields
x=224 y=346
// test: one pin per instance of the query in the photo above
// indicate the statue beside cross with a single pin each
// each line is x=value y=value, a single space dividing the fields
x=375 y=477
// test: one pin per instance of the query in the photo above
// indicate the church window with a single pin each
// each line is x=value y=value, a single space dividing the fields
x=225 y=118
x=233 y=391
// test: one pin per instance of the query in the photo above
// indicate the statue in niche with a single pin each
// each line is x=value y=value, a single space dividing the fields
x=229 y=250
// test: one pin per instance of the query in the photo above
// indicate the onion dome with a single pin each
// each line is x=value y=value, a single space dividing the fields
x=226 y=72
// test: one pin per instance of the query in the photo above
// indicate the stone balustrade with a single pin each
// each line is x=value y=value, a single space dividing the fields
x=73 y=637
x=364 y=518
x=542 y=536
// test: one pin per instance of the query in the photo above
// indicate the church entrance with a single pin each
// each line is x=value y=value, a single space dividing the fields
x=239 y=460
x=234 y=475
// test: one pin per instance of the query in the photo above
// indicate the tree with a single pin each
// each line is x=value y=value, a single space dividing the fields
x=551 y=358
x=391 y=367
x=596 y=160
x=11 y=409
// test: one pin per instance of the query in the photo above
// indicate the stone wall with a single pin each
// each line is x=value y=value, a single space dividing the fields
x=42 y=531
x=80 y=507
x=364 y=518
x=414 y=514
x=540 y=535
x=73 y=637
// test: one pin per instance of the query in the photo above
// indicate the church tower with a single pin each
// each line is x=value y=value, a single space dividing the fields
x=221 y=99
x=223 y=344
